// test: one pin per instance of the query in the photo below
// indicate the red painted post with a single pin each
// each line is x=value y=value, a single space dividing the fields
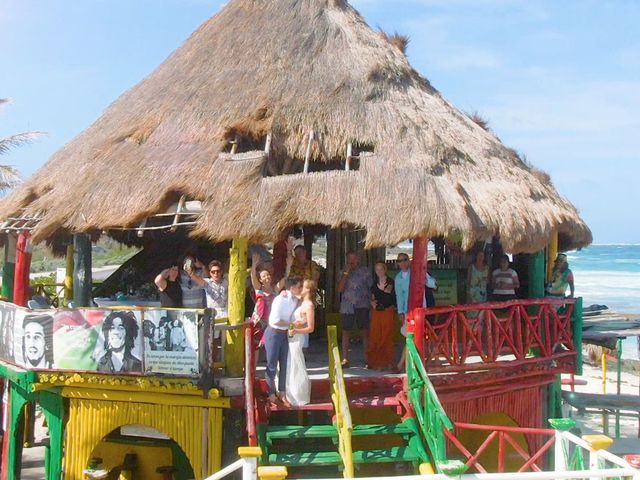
x=23 y=265
x=280 y=257
x=416 y=291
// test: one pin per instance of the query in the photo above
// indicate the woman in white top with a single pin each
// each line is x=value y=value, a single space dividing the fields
x=298 y=383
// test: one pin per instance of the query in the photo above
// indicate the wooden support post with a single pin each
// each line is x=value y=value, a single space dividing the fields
x=9 y=267
x=576 y=325
x=605 y=415
x=12 y=439
x=552 y=253
x=536 y=275
x=82 y=270
x=52 y=405
x=23 y=265
x=68 y=276
x=234 y=346
x=416 y=290
x=280 y=257
x=618 y=380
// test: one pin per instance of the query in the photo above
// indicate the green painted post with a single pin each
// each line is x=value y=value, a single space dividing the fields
x=554 y=399
x=9 y=267
x=619 y=380
x=536 y=275
x=52 y=405
x=537 y=278
x=577 y=333
x=82 y=270
x=18 y=399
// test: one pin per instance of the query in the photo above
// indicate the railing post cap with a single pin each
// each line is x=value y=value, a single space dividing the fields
x=562 y=424
x=598 y=442
x=249 y=452
x=272 y=473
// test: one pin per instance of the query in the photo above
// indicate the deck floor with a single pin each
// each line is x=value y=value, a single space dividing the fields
x=317 y=359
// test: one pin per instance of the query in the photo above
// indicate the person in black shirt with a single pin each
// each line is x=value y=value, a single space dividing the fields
x=383 y=320
x=168 y=282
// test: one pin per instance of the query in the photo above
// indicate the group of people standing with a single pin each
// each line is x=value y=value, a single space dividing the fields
x=373 y=304
x=502 y=283
x=284 y=312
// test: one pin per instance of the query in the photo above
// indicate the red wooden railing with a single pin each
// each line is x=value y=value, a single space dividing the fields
x=249 y=384
x=510 y=452
x=490 y=332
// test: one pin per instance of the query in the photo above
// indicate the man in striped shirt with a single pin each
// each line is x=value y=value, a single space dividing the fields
x=504 y=281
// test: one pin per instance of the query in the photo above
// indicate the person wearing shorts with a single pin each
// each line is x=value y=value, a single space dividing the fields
x=355 y=286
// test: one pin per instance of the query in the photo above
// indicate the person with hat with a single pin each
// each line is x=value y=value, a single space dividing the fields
x=561 y=278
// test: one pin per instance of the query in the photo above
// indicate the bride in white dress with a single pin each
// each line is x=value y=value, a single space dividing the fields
x=298 y=383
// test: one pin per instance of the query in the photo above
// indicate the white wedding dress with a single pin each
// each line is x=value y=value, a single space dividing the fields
x=298 y=383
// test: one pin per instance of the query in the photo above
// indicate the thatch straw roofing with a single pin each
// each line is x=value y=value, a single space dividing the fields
x=288 y=66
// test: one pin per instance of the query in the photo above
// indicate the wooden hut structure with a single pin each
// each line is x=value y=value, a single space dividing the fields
x=272 y=115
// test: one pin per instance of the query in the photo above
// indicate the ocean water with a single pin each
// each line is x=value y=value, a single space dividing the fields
x=610 y=275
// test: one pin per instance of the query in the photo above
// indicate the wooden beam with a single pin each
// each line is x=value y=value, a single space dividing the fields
x=307 y=155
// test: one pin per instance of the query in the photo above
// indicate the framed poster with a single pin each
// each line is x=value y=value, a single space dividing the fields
x=171 y=342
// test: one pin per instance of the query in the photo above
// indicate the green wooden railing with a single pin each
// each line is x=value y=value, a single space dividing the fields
x=431 y=417
x=344 y=424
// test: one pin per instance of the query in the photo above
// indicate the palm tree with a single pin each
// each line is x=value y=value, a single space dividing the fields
x=9 y=175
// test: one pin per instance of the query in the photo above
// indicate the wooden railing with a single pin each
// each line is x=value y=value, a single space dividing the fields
x=340 y=401
x=430 y=414
x=249 y=384
x=487 y=335
x=508 y=445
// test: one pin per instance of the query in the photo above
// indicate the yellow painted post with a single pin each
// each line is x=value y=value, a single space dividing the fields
x=596 y=442
x=605 y=416
x=272 y=473
x=234 y=346
x=68 y=276
x=249 y=456
x=552 y=253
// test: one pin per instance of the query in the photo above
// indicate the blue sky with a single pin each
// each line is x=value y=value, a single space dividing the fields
x=558 y=80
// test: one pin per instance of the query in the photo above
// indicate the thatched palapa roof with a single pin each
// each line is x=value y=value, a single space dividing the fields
x=281 y=69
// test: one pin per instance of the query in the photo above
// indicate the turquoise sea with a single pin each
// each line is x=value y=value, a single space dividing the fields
x=610 y=275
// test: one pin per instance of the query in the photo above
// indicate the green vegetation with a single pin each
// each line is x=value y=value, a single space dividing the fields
x=105 y=252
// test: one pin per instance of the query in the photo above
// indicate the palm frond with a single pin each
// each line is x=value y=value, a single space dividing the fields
x=9 y=177
x=17 y=140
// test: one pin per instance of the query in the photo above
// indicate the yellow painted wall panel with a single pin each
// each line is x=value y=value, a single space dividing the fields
x=91 y=420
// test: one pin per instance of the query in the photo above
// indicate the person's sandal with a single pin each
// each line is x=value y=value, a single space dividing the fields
x=285 y=402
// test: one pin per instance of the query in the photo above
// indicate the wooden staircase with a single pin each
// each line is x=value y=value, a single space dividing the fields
x=316 y=439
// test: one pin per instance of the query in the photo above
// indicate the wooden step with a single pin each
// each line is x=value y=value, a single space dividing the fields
x=329 y=431
x=295 y=431
x=369 y=401
x=305 y=459
x=395 y=454
x=391 y=429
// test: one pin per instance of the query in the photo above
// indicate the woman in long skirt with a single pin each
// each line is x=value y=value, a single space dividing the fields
x=383 y=321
